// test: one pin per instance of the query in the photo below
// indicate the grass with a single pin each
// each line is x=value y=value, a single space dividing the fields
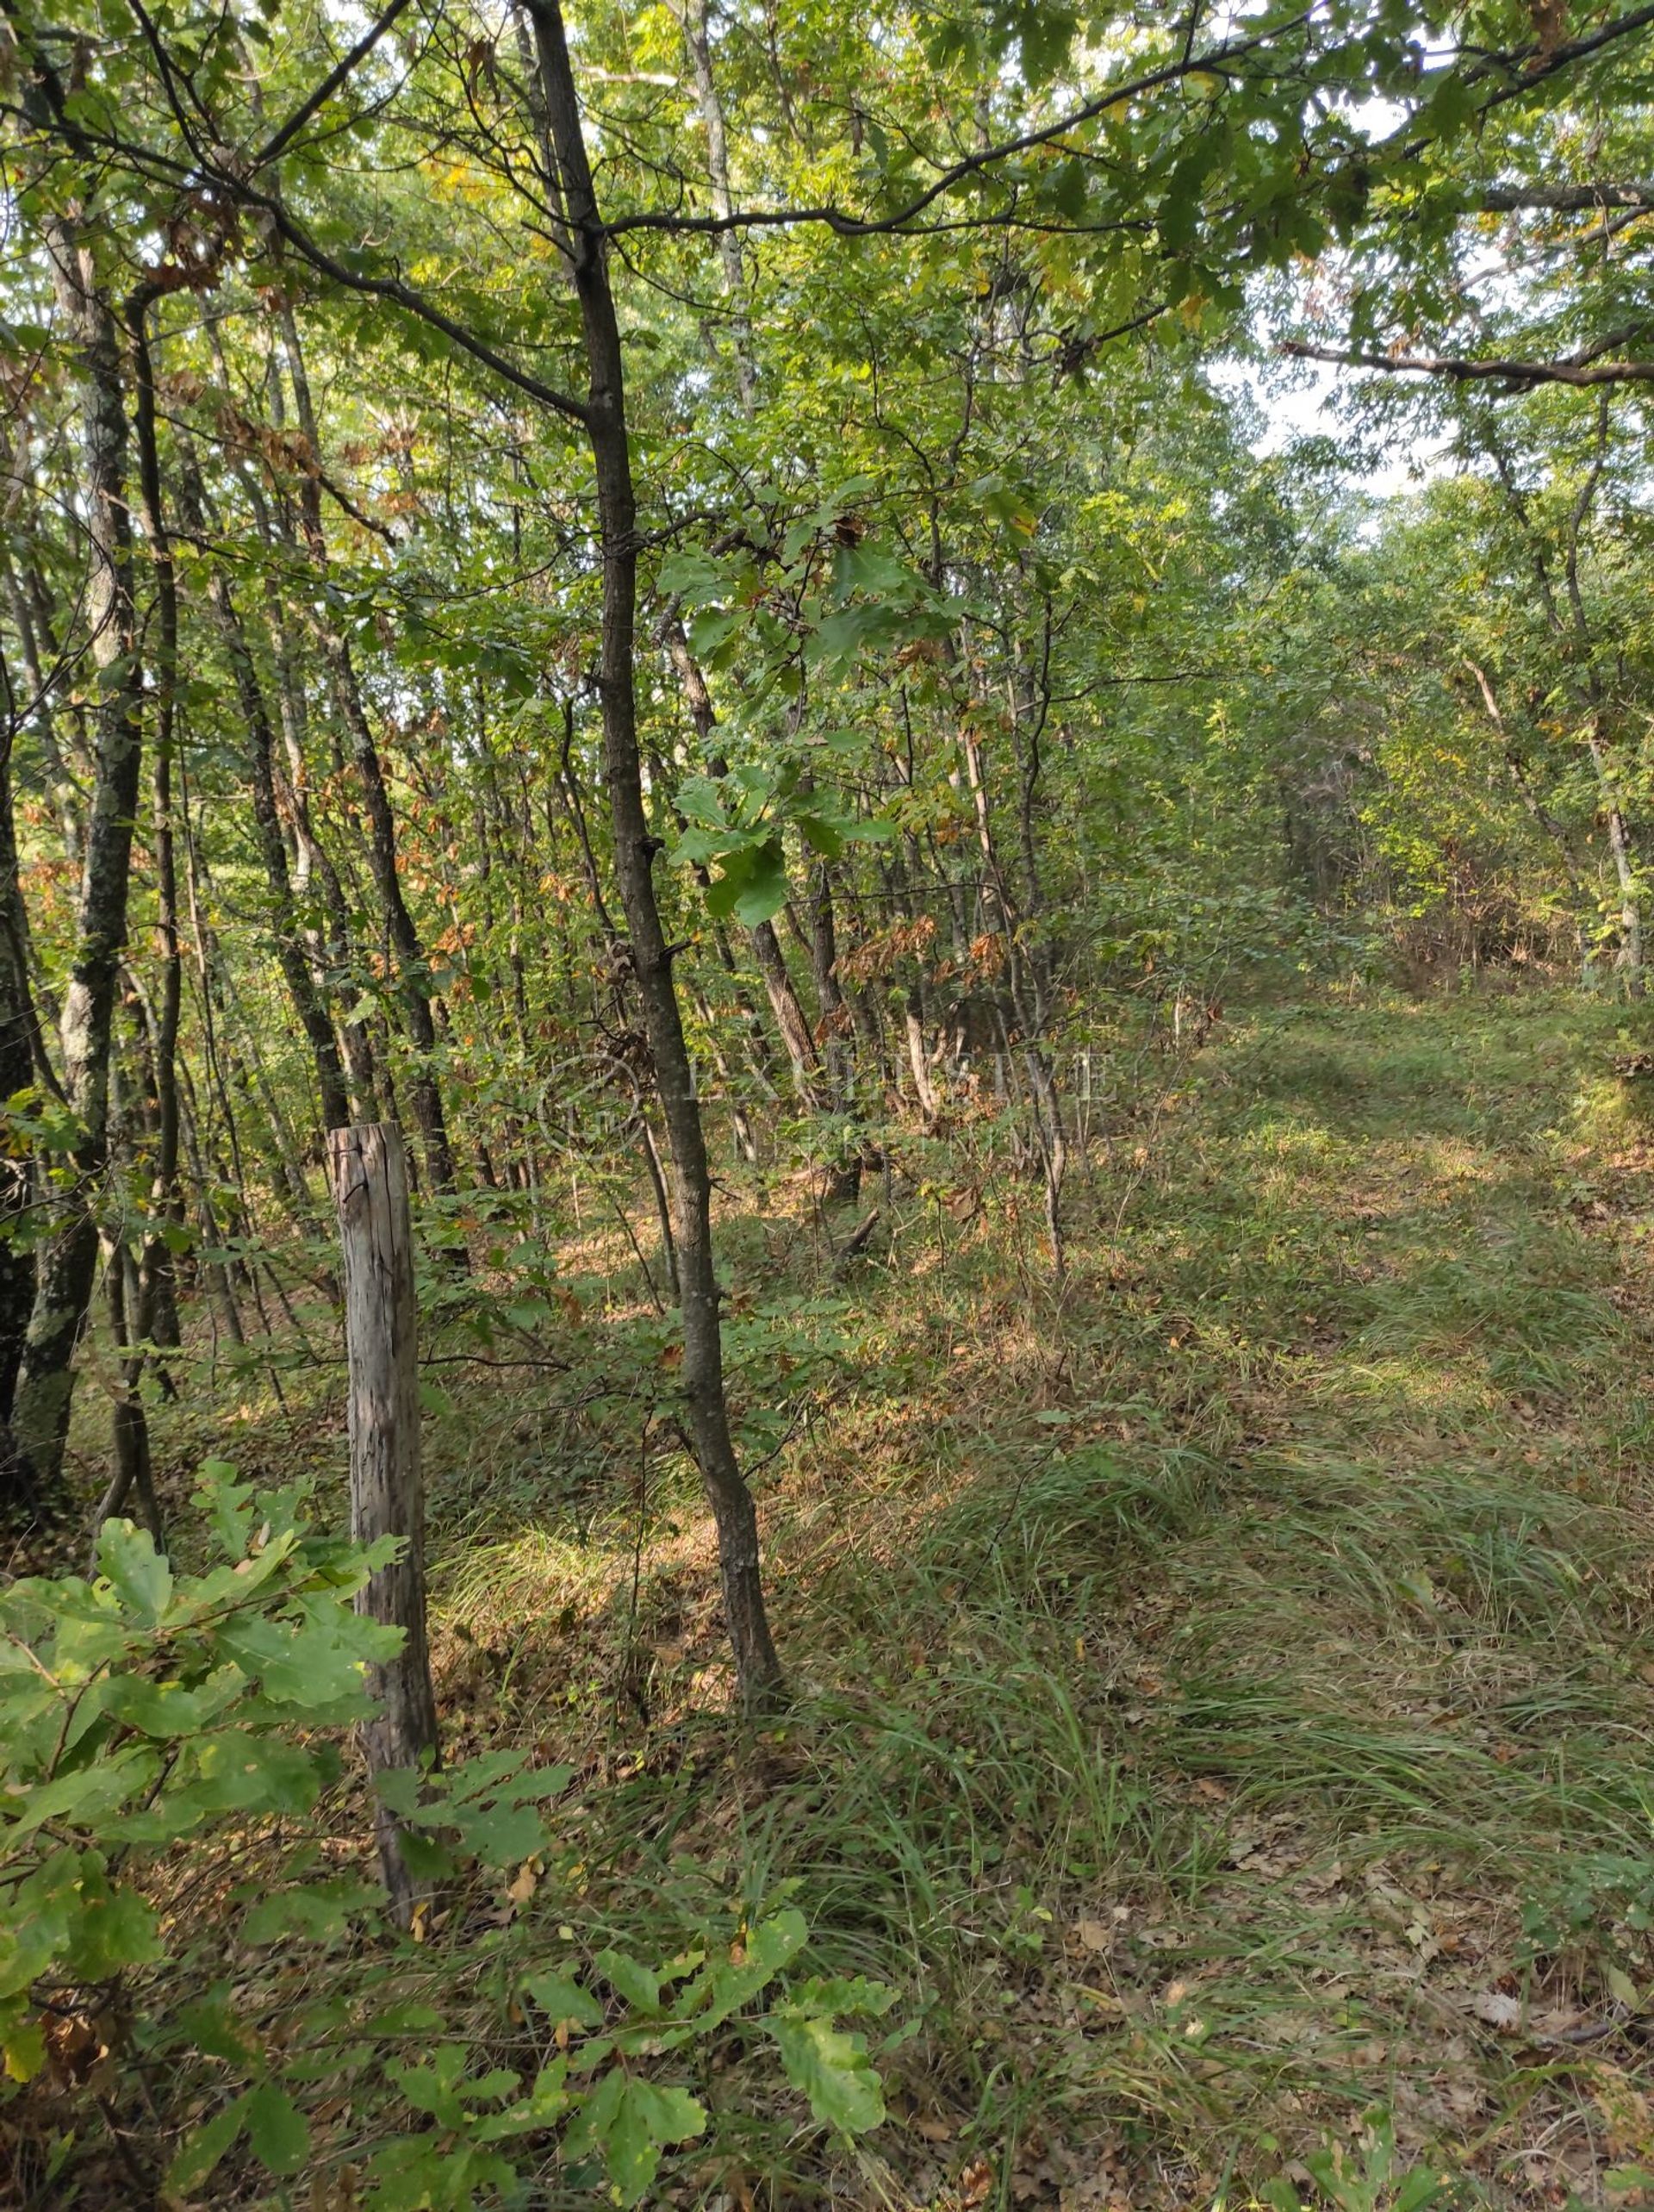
x=1222 y=1683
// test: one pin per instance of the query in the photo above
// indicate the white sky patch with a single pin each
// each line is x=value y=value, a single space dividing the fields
x=1306 y=408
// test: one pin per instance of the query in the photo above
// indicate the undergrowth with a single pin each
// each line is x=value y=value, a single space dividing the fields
x=1222 y=1680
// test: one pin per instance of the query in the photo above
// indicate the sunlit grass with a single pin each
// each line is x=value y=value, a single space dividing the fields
x=1222 y=1684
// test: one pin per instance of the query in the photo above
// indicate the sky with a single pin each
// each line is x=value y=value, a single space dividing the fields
x=1306 y=407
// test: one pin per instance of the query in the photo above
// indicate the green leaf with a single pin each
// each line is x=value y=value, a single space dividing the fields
x=831 y=2068
x=212 y=2028
x=500 y=1836
x=1422 y=2187
x=167 y=1710
x=629 y=2120
x=432 y=2089
x=25 y=2051
x=87 y=1797
x=727 y=1986
x=639 y=1984
x=545 y=2105
x=839 y=1994
x=136 y=1572
x=764 y=893
x=710 y=628
x=648 y=2118
x=823 y=835
x=563 y=2001
x=278 y=2130
x=116 y=1929
x=1280 y=2196
x=203 y=2149
x=317 y=1912
x=690 y=576
x=317 y=1663
x=588 y=2131
x=228 y=1505
x=238 y=1771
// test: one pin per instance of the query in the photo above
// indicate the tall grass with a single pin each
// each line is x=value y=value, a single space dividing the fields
x=1214 y=1685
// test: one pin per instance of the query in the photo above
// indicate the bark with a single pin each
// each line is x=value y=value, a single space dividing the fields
x=369 y=1179
x=221 y=1291
x=791 y=1022
x=411 y=973
x=652 y=1152
x=65 y=797
x=285 y=932
x=16 y=1180
x=1025 y=990
x=333 y=967
x=67 y=1262
x=756 y=1665
x=133 y=1474
x=156 y=1316
x=844 y=1168
x=1522 y=779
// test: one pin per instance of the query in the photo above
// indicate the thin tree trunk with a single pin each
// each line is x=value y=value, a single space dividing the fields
x=663 y=1207
x=221 y=1291
x=411 y=973
x=692 y=17
x=67 y=1263
x=1588 y=685
x=16 y=1176
x=1621 y=849
x=156 y=1317
x=756 y=1665
x=65 y=794
x=133 y=1471
x=285 y=932
x=332 y=964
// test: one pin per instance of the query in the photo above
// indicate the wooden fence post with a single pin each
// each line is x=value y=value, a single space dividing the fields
x=369 y=1169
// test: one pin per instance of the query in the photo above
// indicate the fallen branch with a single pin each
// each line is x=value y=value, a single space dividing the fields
x=856 y=1243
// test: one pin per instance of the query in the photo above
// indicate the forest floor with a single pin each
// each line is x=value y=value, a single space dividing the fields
x=1224 y=1683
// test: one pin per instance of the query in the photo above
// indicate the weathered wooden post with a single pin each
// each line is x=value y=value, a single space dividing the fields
x=370 y=1178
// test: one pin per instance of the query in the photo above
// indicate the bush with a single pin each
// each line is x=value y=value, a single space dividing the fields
x=149 y=1711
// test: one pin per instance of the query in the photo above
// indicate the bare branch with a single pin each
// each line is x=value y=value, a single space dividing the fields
x=329 y=84
x=1561 y=199
x=1582 y=371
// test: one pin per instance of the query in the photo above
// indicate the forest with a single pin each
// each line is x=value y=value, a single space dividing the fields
x=826 y=1105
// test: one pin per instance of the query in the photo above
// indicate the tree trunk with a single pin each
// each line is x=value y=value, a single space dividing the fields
x=411 y=971
x=68 y=1262
x=756 y=1665
x=156 y=1317
x=312 y=1015
x=16 y=1178
x=692 y=17
x=369 y=1179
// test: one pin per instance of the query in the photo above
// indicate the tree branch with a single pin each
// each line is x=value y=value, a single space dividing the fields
x=329 y=84
x=1582 y=369
x=1561 y=199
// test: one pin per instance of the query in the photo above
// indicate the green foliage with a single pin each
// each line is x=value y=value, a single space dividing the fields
x=142 y=1708
x=1371 y=2177
x=152 y=1708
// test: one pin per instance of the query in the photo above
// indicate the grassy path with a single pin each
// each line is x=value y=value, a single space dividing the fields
x=1226 y=1687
